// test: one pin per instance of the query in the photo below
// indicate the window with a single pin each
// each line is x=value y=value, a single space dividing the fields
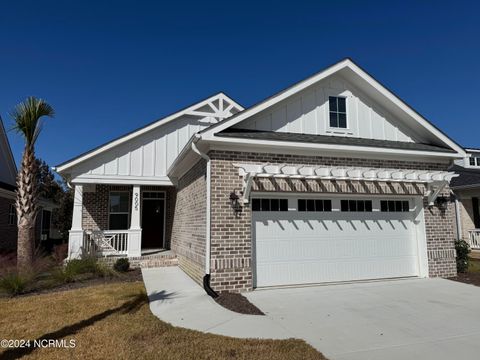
x=269 y=205
x=356 y=205
x=338 y=112
x=12 y=215
x=314 y=205
x=474 y=161
x=394 y=206
x=119 y=206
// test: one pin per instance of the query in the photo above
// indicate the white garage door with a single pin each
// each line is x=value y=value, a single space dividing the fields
x=305 y=240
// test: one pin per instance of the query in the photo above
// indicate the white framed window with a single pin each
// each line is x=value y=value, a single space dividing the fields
x=119 y=210
x=12 y=215
x=337 y=109
x=474 y=161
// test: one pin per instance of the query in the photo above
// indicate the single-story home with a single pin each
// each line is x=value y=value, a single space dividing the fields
x=8 y=215
x=467 y=194
x=333 y=179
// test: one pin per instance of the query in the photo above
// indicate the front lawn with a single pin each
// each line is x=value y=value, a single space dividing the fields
x=472 y=276
x=114 y=321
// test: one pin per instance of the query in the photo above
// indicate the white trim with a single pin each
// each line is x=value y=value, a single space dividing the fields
x=331 y=147
x=122 y=180
x=344 y=64
x=161 y=122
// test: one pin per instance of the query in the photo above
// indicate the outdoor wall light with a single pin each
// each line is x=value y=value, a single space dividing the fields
x=441 y=202
x=234 y=202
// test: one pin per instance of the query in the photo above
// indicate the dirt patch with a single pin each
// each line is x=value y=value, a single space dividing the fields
x=468 y=278
x=238 y=303
x=129 y=276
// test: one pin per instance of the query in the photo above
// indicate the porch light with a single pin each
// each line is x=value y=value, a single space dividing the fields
x=441 y=202
x=234 y=202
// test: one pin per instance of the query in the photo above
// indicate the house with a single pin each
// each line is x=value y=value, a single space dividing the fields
x=8 y=216
x=467 y=193
x=332 y=179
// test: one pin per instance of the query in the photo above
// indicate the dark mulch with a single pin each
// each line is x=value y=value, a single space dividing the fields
x=131 y=275
x=468 y=278
x=238 y=303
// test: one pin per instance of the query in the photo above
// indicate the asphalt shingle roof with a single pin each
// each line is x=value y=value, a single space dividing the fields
x=327 y=139
x=468 y=177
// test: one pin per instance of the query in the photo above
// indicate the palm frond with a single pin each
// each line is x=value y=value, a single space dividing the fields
x=26 y=117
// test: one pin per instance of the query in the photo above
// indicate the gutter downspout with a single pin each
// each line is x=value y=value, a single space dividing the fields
x=206 y=278
x=458 y=217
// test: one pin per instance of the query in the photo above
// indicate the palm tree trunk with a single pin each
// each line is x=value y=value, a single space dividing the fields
x=27 y=209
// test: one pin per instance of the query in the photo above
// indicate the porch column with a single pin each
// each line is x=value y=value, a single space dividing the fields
x=135 y=232
x=75 y=236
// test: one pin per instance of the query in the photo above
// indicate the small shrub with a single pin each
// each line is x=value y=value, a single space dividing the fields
x=82 y=266
x=15 y=283
x=122 y=265
x=463 y=249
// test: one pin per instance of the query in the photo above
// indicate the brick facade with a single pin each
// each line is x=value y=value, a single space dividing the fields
x=231 y=248
x=189 y=224
x=95 y=206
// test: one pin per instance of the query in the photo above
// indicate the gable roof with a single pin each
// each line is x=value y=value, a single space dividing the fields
x=329 y=139
x=468 y=178
x=153 y=125
x=7 y=157
x=345 y=64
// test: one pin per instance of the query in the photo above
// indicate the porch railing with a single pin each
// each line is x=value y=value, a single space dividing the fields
x=474 y=239
x=107 y=242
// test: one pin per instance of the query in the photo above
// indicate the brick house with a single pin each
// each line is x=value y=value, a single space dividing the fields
x=332 y=179
x=8 y=217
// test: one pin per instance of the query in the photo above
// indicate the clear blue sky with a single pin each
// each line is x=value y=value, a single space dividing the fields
x=110 y=67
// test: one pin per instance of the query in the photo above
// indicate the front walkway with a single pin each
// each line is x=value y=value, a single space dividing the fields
x=177 y=299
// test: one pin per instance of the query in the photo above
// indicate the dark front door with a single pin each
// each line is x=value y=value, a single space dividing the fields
x=153 y=222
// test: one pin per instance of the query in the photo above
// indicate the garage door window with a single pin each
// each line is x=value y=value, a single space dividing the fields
x=314 y=205
x=269 y=205
x=356 y=205
x=394 y=206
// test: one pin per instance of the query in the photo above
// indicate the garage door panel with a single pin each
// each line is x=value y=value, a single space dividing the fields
x=310 y=247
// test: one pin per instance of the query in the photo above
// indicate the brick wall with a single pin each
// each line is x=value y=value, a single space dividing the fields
x=189 y=223
x=8 y=233
x=231 y=249
x=95 y=206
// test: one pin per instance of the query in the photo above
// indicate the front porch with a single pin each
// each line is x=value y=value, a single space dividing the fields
x=112 y=221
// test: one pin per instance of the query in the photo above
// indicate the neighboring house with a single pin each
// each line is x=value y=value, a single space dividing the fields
x=333 y=179
x=8 y=216
x=467 y=191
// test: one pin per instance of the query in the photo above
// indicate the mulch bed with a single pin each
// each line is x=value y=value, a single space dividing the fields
x=130 y=276
x=468 y=278
x=237 y=303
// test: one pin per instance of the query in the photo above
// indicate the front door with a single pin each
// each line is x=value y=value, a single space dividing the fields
x=153 y=220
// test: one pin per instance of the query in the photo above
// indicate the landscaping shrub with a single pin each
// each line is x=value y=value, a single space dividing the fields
x=463 y=249
x=14 y=283
x=122 y=265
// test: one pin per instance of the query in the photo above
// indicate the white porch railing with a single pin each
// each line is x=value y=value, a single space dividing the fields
x=474 y=239
x=108 y=242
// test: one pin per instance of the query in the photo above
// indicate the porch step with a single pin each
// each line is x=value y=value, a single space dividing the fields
x=159 y=259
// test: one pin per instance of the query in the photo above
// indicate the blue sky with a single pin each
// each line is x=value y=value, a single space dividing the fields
x=111 y=67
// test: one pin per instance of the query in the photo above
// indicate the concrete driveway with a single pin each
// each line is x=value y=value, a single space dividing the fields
x=403 y=319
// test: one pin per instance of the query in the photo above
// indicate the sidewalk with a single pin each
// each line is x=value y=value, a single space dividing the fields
x=177 y=299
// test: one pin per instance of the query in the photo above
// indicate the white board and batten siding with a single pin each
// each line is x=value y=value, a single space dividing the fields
x=146 y=157
x=308 y=113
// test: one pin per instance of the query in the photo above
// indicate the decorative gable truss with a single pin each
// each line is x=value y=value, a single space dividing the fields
x=143 y=156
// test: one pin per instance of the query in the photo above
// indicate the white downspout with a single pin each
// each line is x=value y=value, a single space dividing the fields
x=458 y=218
x=208 y=220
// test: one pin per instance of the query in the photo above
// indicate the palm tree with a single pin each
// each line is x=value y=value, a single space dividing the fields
x=26 y=117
